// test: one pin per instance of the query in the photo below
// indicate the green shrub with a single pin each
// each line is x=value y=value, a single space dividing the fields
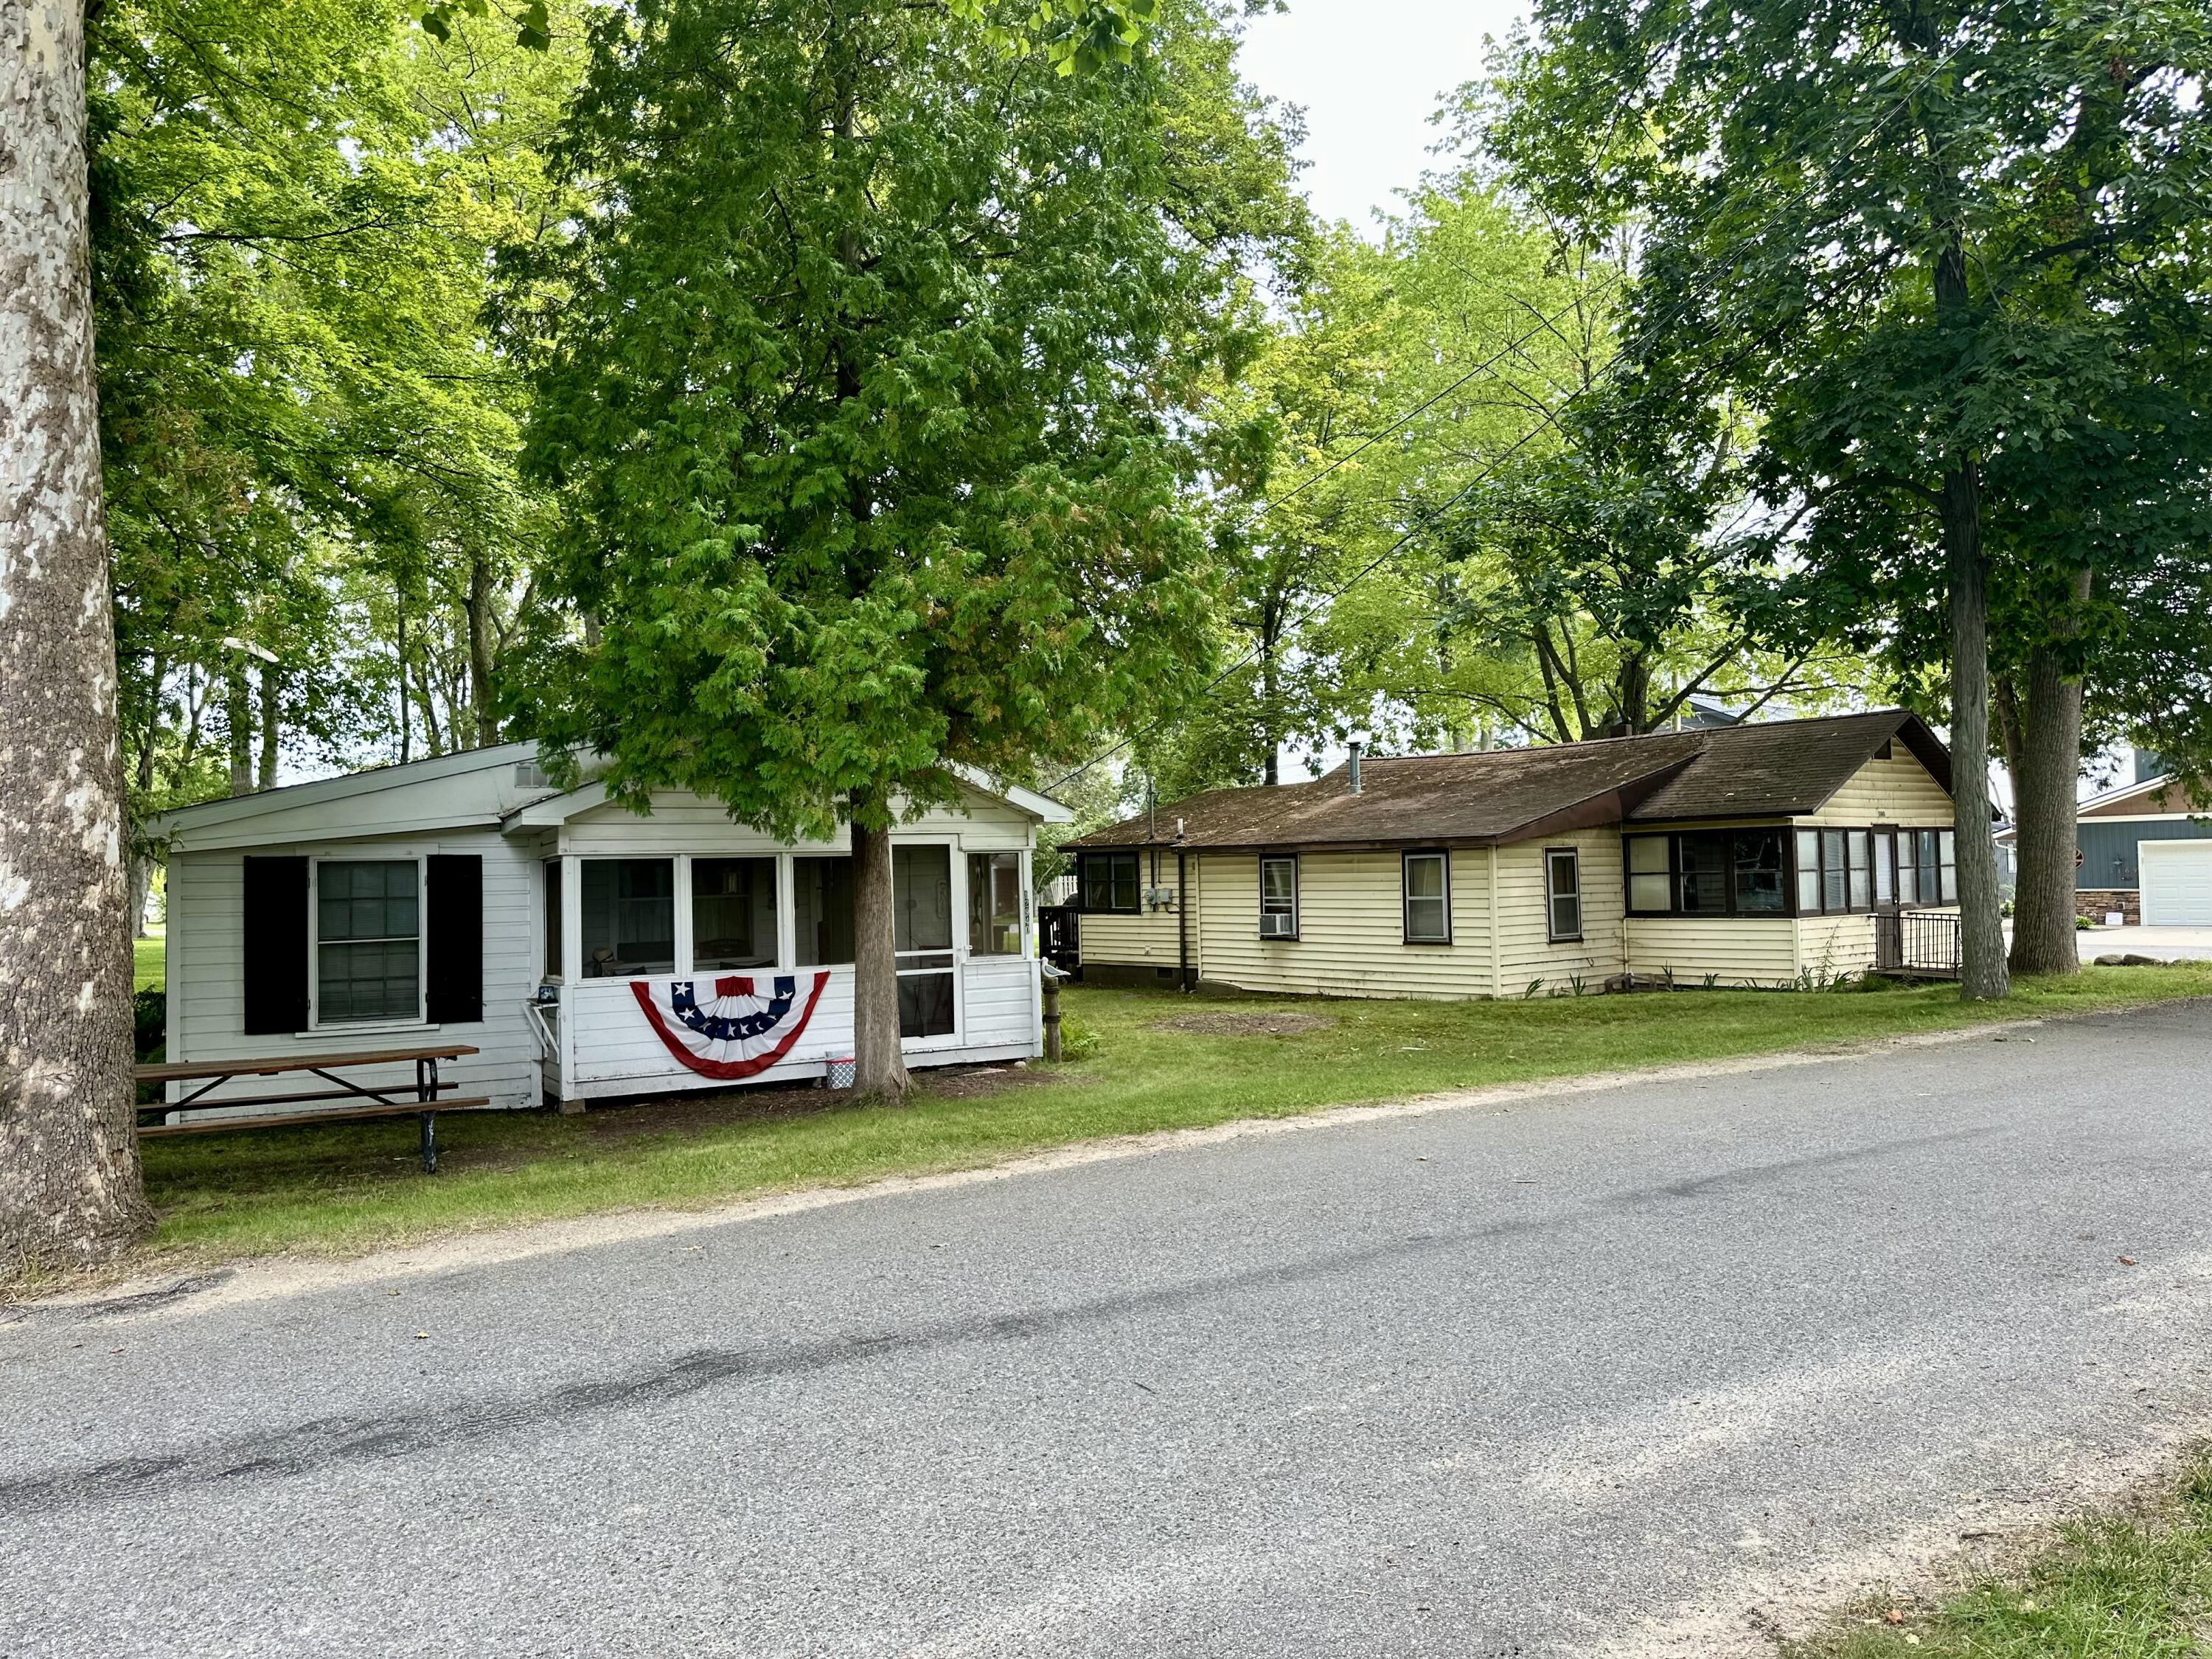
x=149 y=1020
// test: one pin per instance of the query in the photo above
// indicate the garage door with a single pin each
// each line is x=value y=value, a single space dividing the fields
x=2176 y=883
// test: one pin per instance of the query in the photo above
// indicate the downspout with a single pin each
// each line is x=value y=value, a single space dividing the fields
x=1496 y=945
x=1182 y=912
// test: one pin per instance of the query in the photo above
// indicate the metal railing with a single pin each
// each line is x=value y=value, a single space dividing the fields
x=1924 y=942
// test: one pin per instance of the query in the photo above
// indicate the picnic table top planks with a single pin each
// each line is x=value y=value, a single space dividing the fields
x=191 y=1070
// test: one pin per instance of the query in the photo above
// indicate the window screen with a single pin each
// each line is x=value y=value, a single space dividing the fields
x=1859 y=867
x=1885 y=867
x=553 y=918
x=1648 y=872
x=1835 y=889
x=1428 y=904
x=732 y=913
x=1755 y=856
x=822 y=911
x=995 y=904
x=630 y=917
x=1563 y=892
x=368 y=940
x=1703 y=878
x=1808 y=872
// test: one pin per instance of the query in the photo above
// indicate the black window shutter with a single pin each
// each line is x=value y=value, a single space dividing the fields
x=275 y=946
x=454 y=909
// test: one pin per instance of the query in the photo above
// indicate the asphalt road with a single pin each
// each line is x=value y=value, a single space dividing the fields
x=1603 y=1371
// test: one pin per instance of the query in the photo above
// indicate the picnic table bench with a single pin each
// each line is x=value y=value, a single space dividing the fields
x=363 y=1100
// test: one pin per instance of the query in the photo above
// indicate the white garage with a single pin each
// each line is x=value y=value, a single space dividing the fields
x=2176 y=883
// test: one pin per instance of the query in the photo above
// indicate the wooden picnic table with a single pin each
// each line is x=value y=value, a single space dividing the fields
x=360 y=1100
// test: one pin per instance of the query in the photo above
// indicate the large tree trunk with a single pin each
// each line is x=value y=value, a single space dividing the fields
x=481 y=703
x=69 y=1158
x=879 y=1066
x=1982 y=953
x=1982 y=966
x=2048 y=763
x=272 y=724
x=238 y=715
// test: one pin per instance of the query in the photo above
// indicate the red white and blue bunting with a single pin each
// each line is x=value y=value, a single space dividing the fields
x=736 y=1032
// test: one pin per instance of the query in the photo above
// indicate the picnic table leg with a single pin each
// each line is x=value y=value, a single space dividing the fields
x=426 y=1089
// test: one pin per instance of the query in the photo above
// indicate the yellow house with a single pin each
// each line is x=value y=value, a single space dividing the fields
x=1781 y=853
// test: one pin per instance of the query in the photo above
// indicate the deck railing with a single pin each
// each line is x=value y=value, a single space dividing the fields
x=1920 y=942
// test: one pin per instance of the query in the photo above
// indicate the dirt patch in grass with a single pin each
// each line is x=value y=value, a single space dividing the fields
x=1226 y=1024
x=688 y=1114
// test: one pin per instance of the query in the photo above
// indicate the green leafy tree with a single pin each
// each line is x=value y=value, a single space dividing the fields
x=1899 y=232
x=866 y=390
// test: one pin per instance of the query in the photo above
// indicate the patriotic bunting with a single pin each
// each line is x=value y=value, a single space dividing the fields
x=736 y=1032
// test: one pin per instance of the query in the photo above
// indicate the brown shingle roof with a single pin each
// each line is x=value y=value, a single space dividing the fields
x=1778 y=769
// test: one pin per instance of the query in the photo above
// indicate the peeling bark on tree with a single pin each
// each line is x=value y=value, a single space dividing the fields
x=69 y=1192
x=879 y=1066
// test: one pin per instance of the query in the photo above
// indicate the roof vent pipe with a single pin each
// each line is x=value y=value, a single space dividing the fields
x=1351 y=771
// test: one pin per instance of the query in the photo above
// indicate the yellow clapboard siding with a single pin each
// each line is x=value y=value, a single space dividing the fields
x=1351 y=928
x=1526 y=950
x=1897 y=790
x=1743 y=950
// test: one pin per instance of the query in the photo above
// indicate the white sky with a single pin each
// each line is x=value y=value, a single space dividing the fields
x=1368 y=74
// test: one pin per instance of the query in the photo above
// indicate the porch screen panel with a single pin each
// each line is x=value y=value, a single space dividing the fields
x=1835 y=891
x=368 y=940
x=553 y=919
x=1755 y=855
x=822 y=910
x=921 y=934
x=732 y=913
x=1703 y=880
x=1859 y=868
x=1808 y=872
x=1648 y=873
x=630 y=917
x=995 y=904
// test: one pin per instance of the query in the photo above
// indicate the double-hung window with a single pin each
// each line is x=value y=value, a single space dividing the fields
x=1842 y=871
x=1426 y=892
x=368 y=940
x=1278 y=896
x=1935 y=864
x=1563 y=893
x=1110 y=881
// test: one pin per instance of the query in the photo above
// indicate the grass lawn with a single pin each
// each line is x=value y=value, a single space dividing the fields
x=2123 y=1586
x=148 y=960
x=354 y=1186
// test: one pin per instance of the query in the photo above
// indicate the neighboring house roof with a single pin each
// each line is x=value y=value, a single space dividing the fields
x=1781 y=768
x=500 y=786
x=2162 y=797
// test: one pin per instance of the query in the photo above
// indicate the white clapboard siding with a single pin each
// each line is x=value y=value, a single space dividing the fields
x=1351 y=928
x=1742 y=951
x=619 y=1052
x=1898 y=791
x=206 y=973
x=1527 y=953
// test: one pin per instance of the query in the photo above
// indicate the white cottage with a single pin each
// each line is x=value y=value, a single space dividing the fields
x=584 y=949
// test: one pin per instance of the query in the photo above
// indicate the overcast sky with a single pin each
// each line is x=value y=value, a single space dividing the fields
x=1368 y=74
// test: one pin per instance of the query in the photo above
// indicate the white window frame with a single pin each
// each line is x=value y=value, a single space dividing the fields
x=1266 y=859
x=686 y=935
x=422 y=1020
x=1442 y=856
x=1551 y=897
x=956 y=877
